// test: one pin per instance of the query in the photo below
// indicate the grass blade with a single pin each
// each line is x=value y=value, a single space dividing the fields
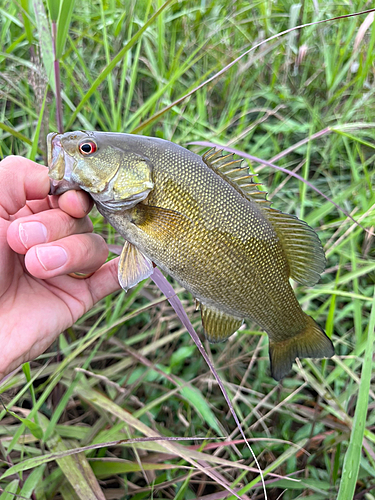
x=168 y=291
x=63 y=23
x=10 y=490
x=26 y=20
x=77 y=471
x=54 y=9
x=32 y=481
x=353 y=455
x=107 y=70
x=62 y=451
x=34 y=146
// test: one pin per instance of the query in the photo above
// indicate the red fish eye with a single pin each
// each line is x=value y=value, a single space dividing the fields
x=87 y=147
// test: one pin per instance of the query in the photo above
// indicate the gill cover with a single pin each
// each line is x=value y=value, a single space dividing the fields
x=115 y=177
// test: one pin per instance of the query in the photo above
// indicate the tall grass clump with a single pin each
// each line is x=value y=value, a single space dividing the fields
x=96 y=416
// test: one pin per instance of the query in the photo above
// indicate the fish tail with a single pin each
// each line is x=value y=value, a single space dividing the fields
x=311 y=342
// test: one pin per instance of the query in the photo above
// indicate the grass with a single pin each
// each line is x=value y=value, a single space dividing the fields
x=127 y=369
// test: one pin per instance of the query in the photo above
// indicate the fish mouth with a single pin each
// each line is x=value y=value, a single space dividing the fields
x=60 y=165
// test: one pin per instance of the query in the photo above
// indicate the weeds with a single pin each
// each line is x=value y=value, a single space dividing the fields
x=127 y=369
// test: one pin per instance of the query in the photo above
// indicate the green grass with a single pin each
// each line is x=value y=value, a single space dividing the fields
x=127 y=369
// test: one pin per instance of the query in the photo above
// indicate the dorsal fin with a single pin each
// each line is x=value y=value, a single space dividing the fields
x=301 y=244
x=235 y=174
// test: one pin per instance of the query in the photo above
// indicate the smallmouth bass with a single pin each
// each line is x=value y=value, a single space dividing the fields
x=204 y=222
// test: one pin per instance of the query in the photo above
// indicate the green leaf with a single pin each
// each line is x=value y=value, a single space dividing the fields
x=352 y=459
x=34 y=428
x=54 y=7
x=199 y=403
x=63 y=24
x=32 y=481
x=304 y=484
x=181 y=355
x=25 y=4
x=105 y=468
x=10 y=490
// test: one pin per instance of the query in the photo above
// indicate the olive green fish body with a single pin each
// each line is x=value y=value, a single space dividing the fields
x=206 y=224
x=220 y=251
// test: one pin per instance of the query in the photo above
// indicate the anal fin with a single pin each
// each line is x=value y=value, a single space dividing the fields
x=133 y=266
x=218 y=326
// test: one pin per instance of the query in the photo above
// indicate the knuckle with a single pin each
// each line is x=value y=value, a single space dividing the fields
x=65 y=225
x=94 y=249
x=8 y=160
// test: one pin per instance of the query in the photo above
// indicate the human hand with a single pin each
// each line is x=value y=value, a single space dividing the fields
x=42 y=239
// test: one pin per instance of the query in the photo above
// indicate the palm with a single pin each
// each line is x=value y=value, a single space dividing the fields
x=40 y=308
x=36 y=304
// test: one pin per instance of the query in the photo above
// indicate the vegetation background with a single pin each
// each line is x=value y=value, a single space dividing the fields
x=128 y=369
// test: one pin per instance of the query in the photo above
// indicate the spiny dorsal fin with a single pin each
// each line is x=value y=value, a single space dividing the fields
x=235 y=174
x=301 y=244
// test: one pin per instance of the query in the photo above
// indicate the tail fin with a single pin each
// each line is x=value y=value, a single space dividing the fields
x=311 y=342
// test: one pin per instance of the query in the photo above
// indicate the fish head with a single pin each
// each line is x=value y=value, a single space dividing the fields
x=103 y=164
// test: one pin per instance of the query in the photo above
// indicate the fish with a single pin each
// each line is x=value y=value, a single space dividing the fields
x=206 y=223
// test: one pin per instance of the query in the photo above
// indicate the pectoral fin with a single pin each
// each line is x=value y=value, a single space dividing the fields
x=218 y=326
x=160 y=222
x=133 y=266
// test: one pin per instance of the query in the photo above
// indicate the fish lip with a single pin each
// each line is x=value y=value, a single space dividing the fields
x=60 y=181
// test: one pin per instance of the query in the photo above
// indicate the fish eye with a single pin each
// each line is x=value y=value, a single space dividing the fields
x=87 y=148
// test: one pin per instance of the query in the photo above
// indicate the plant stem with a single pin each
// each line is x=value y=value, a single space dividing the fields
x=56 y=67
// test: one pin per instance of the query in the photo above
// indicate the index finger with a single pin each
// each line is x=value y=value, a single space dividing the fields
x=21 y=180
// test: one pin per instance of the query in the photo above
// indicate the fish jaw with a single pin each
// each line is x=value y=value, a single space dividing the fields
x=60 y=166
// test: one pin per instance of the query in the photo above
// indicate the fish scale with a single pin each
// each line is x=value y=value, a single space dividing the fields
x=204 y=222
x=243 y=224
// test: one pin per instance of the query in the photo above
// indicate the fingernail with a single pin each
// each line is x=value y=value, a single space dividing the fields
x=32 y=233
x=51 y=257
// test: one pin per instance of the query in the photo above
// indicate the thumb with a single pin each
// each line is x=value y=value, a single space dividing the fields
x=104 y=281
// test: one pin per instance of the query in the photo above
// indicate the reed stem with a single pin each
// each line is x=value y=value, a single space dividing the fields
x=56 y=67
